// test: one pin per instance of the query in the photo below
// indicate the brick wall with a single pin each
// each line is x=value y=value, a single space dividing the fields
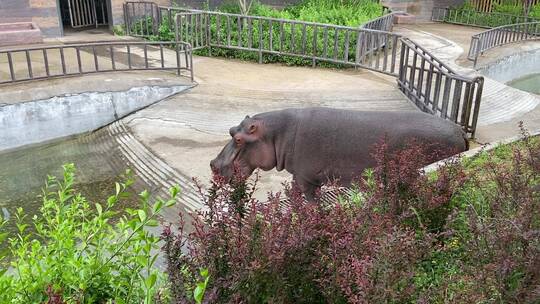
x=43 y=12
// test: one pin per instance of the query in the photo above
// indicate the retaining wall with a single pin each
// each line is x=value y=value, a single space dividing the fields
x=513 y=66
x=42 y=120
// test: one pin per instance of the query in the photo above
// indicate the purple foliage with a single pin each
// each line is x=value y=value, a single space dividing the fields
x=369 y=250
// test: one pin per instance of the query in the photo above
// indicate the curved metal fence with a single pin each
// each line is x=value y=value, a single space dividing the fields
x=384 y=23
x=141 y=19
x=477 y=18
x=502 y=35
x=437 y=89
x=45 y=62
x=315 y=42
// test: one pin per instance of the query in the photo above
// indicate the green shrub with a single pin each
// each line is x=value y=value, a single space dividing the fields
x=143 y=26
x=119 y=30
x=75 y=254
x=346 y=13
x=503 y=13
x=535 y=12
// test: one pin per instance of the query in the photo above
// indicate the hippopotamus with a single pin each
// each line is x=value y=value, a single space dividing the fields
x=318 y=145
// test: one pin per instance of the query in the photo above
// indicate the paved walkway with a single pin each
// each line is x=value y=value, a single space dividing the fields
x=502 y=106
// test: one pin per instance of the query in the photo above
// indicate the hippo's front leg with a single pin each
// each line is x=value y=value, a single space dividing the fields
x=308 y=189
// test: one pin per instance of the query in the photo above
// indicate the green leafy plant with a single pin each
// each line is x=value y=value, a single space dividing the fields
x=119 y=30
x=198 y=293
x=73 y=253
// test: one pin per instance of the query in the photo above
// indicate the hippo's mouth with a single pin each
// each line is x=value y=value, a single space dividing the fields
x=240 y=168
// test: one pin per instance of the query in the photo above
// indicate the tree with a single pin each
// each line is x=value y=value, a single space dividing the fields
x=245 y=6
x=527 y=7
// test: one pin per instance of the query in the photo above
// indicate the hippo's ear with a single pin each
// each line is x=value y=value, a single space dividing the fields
x=252 y=128
x=247 y=116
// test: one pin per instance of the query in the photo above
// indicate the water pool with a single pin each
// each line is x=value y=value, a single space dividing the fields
x=24 y=172
x=528 y=83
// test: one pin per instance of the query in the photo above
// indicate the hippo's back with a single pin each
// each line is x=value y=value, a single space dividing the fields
x=341 y=140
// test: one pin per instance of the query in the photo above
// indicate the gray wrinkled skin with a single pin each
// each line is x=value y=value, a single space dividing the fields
x=317 y=145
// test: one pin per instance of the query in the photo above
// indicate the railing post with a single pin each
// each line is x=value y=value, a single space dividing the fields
x=260 y=42
x=359 y=46
x=159 y=16
x=190 y=48
x=209 y=34
x=477 y=100
x=127 y=19
x=402 y=68
x=314 y=61
x=177 y=37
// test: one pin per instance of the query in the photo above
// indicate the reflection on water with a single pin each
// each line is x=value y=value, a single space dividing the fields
x=529 y=83
x=24 y=171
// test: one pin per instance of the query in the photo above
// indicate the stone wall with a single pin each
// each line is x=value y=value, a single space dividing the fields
x=43 y=12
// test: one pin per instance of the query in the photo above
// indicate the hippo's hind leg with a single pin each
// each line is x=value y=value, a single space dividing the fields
x=308 y=189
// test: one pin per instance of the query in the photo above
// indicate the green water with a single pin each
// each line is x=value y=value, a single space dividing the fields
x=528 y=83
x=24 y=171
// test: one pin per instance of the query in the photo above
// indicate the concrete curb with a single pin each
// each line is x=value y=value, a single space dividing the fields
x=473 y=152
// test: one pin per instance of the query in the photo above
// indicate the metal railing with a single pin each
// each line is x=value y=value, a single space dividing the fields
x=315 y=42
x=437 y=89
x=502 y=35
x=45 y=62
x=371 y=46
x=425 y=80
x=384 y=23
x=477 y=18
x=487 y=5
x=144 y=19
x=141 y=19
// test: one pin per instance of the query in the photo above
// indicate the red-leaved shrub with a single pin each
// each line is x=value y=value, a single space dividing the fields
x=358 y=251
x=467 y=233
